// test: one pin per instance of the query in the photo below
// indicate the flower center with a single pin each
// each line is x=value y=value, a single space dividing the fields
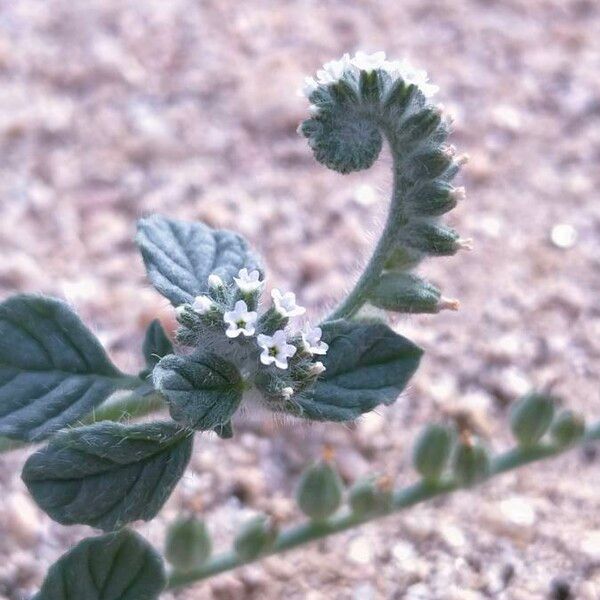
x=241 y=323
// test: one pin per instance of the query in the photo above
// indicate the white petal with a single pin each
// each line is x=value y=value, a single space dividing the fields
x=231 y=332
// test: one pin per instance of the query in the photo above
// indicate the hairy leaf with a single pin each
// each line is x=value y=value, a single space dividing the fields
x=53 y=371
x=115 y=566
x=203 y=390
x=367 y=364
x=156 y=345
x=108 y=474
x=179 y=256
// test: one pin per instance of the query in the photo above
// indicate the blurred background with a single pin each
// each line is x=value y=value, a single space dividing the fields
x=113 y=109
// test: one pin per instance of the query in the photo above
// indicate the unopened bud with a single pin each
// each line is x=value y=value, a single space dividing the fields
x=319 y=492
x=567 y=428
x=255 y=537
x=214 y=281
x=470 y=463
x=433 y=199
x=431 y=451
x=448 y=304
x=287 y=392
x=317 y=368
x=405 y=292
x=420 y=125
x=432 y=239
x=202 y=304
x=531 y=417
x=188 y=544
x=370 y=495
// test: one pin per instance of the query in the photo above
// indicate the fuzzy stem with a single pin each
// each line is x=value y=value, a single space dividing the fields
x=403 y=498
x=372 y=271
x=135 y=405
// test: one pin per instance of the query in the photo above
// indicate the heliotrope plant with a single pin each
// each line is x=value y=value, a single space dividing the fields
x=100 y=469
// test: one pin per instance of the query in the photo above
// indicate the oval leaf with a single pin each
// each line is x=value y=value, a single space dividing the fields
x=179 y=256
x=108 y=474
x=203 y=390
x=53 y=371
x=367 y=364
x=115 y=566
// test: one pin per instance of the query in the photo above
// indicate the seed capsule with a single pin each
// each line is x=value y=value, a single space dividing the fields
x=431 y=451
x=255 y=537
x=319 y=492
x=531 y=417
x=567 y=428
x=470 y=463
x=188 y=544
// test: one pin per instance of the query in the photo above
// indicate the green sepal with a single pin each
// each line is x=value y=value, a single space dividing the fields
x=531 y=417
x=431 y=238
x=567 y=428
x=470 y=463
x=399 y=97
x=179 y=256
x=432 y=199
x=420 y=125
x=255 y=537
x=432 y=451
x=431 y=164
x=371 y=86
x=405 y=293
x=188 y=544
x=115 y=566
x=343 y=92
x=156 y=345
x=319 y=492
x=367 y=364
x=108 y=474
x=202 y=390
x=53 y=371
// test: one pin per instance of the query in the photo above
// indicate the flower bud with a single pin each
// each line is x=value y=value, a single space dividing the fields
x=432 y=239
x=399 y=97
x=188 y=544
x=403 y=259
x=420 y=125
x=271 y=321
x=371 y=85
x=431 y=164
x=255 y=537
x=567 y=428
x=431 y=451
x=470 y=463
x=367 y=496
x=434 y=199
x=531 y=417
x=319 y=492
x=406 y=293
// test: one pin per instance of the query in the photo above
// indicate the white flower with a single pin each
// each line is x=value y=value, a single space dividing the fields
x=311 y=339
x=214 y=281
x=275 y=349
x=285 y=304
x=202 y=304
x=240 y=320
x=369 y=62
x=248 y=282
x=308 y=87
x=317 y=368
x=411 y=75
x=287 y=392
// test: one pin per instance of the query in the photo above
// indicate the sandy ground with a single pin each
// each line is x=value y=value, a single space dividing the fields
x=110 y=110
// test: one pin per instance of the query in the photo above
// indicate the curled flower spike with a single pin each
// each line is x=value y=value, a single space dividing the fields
x=311 y=340
x=202 y=304
x=248 y=282
x=285 y=304
x=240 y=320
x=276 y=350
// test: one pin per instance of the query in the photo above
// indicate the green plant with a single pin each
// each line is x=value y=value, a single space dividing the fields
x=100 y=469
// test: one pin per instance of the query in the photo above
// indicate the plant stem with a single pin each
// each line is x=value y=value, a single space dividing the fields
x=372 y=271
x=135 y=405
x=402 y=498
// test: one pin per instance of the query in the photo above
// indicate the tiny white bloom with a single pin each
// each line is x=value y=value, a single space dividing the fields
x=309 y=86
x=314 y=110
x=411 y=75
x=311 y=340
x=275 y=349
x=248 y=282
x=285 y=304
x=215 y=281
x=287 y=392
x=240 y=320
x=202 y=304
x=369 y=62
x=317 y=368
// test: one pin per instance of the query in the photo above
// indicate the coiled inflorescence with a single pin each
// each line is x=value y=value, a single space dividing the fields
x=355 y=104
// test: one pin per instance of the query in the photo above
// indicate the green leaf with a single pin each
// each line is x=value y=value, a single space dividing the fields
x=53 y=371
x=108 y=474
x=179 y=256
x=203 y=390
x=367 y=364
x=156 y=345
x=115 y=566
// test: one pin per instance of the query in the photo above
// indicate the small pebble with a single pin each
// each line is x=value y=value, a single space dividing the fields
x=563 y=236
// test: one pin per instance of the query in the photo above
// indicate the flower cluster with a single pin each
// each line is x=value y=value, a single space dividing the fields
x=334 y=70
x=226 y=320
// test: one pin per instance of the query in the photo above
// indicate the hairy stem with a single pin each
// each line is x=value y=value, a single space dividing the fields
x=345 y=519
x=134 y=405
